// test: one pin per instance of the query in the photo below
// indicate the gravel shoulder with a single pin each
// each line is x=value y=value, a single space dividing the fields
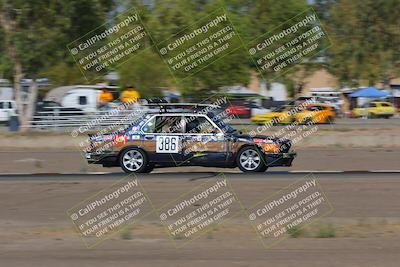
x=35 y=230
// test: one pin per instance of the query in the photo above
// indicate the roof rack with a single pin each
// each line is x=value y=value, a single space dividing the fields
x=192 y=106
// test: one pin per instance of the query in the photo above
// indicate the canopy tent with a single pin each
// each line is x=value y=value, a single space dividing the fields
x=370 y=92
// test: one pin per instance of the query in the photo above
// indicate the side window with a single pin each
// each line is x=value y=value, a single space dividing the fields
x=372 y=105
x=199 y=125
x=168 y=124
x=1 y=105
x=385 y=105
x=163 y=124
x=82 y=100
x=148 y=127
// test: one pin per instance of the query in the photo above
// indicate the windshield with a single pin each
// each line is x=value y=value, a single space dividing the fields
x=218 y=118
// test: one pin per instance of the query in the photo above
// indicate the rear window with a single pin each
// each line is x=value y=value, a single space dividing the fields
x=163 y=124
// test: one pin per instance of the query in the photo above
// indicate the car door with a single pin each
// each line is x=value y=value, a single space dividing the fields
x=162 y=138
x=372 y=109
x=3 y=112
x=6 y=110
x=387 y=108
x=204 y=143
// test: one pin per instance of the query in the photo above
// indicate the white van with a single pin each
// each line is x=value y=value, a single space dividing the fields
x=8 y=108
x=82 y=97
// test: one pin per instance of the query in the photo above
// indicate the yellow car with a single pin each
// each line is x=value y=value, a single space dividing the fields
x=316 y=113
x=375 y=109
x=281 y=115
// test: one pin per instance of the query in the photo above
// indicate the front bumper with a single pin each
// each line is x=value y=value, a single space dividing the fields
x=109 y=159
x=279 y=159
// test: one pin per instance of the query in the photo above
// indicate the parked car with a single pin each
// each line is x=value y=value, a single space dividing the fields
x=51 y=108
x=375 y=109
x=281 y=115
x=258 y=110
x=238 y=111
x=8 y=108
x=186 y=138
x=316 y=114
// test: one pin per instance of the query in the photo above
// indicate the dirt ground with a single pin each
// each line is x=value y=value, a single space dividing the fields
x=36 y=231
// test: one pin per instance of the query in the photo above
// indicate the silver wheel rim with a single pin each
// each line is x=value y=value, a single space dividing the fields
x=133 y=160
x=250 y=160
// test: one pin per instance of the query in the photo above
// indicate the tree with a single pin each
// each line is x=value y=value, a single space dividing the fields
x=174 y=18
x=35 y=35
x=272 y=17
x=146 y=72
x=366 y=41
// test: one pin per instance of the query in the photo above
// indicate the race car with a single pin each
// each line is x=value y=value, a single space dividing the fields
x=316 y=114
x=194 y=136
x=281 y=115
x=375 y=109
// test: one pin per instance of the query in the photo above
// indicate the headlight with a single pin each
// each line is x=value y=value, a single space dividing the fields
x=271 y=148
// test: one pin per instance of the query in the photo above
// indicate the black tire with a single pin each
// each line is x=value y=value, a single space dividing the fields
x=149 y=168
x=254 y=165
x=329 y=120
x=133 y=160
x=308 y=121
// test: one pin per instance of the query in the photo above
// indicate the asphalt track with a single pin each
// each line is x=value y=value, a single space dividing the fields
x=191 y=176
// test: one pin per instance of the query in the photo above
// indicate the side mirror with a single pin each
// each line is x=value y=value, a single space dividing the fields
x=215 y=131
x=218 y=134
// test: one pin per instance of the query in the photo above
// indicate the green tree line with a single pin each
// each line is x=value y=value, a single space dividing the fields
x=365 y=36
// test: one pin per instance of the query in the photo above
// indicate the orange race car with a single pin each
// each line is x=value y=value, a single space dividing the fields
x=316 y=113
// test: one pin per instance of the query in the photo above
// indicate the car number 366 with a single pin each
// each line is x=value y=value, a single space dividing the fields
x=167 y=144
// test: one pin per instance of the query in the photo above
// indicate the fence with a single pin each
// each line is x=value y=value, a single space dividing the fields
x=68 y=120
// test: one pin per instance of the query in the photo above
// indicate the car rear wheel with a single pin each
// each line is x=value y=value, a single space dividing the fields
x=329 y=120
x=134 y=160
x=249 y=159
x=308 y=121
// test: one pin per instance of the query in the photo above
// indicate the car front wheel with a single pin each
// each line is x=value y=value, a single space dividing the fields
x=133 y=160
x=249 y=159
